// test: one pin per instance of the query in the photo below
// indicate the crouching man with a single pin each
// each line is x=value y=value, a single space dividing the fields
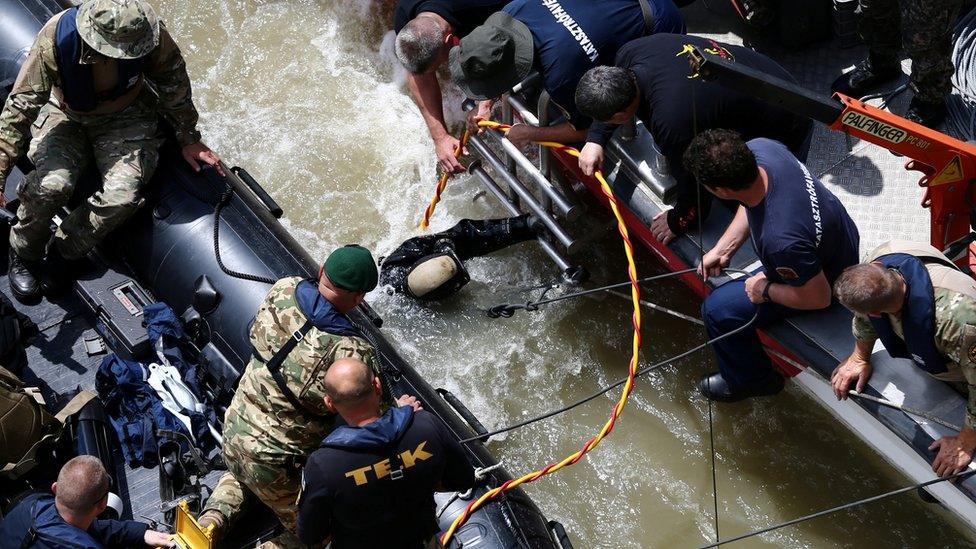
x=804 y=239
x=371 y=483
x=921 y=307
x=69 y=517
x=93 y=85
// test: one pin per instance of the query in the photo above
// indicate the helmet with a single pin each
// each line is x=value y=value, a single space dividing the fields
x=436 y=276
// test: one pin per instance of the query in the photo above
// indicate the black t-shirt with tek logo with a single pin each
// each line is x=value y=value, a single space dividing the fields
x=348 y=491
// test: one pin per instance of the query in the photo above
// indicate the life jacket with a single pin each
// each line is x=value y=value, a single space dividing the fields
x=77 y=80
x=380 y=434
x=35 y=524
x=136 y=409
x=924 y=269
x=27 y=429
x=24 y=426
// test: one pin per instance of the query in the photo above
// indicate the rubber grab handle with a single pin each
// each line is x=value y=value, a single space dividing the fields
x=465 y=414
x=259 y=192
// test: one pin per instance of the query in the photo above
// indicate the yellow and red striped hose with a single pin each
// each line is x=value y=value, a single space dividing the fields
x=442 y=183
x=635 y=355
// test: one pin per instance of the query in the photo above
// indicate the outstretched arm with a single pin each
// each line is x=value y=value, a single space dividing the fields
x=560 y=133
x=426 y=93
x=720 y=256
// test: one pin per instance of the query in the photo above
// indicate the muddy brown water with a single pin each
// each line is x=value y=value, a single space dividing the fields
x=309 y=98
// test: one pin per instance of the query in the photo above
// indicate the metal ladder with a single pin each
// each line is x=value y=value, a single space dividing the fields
x=538 y=189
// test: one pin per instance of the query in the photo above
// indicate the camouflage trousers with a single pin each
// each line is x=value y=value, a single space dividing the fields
x=125 y=150
x=275 y=483
x=923 y=28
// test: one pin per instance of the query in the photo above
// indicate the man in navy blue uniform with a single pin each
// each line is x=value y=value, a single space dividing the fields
x=650 y=80
x=561 y=39
x=67 y=520
x=371 y=483
x=802 y=234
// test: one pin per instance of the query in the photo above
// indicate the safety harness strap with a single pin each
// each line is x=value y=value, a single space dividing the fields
x=274 y=367
x=648 y=17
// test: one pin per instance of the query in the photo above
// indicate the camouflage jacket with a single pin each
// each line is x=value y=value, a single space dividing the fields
x=955 y=319
x=39 y=76
x=260 y=419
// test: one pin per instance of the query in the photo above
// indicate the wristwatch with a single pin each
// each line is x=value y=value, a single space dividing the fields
x=765 y=294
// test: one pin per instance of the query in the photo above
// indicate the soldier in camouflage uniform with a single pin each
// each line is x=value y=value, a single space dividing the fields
x=895 y=295
x=924 y=29
x=270 y=430
x=92 y=86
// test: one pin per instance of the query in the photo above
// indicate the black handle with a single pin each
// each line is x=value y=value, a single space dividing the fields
x=559 y=532
x=259 y=192
x=465 y=414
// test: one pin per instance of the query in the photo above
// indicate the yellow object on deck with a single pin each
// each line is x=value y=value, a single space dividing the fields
x=189 y=534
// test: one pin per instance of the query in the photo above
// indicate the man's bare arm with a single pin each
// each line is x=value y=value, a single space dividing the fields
x=426 y=93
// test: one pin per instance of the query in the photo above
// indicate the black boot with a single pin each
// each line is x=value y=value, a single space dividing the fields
x=714 y=387
x=867 y=76
x=22 y=275
x=928 y=114
x=57 y=273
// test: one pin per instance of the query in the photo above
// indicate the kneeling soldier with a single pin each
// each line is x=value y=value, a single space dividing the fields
x=912 y=298
x=278 y=414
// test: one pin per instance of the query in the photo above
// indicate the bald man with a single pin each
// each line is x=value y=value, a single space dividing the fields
x=68 y=518
x=371 y=483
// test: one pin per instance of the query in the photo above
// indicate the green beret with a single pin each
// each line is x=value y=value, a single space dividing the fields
x=352 y=268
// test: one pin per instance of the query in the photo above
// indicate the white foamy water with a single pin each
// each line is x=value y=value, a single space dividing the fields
x=308 y=97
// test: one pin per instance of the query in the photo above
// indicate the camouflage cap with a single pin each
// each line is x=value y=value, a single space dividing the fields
x=121 y=29
x=352 y=268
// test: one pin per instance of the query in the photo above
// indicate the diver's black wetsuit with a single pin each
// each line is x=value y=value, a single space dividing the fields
x=468 y=238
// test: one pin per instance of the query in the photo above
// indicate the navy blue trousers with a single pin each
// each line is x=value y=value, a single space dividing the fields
x=741 y=358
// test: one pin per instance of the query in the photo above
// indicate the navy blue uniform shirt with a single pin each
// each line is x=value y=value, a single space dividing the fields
x=660 y=64
x=573 y=36
x=38 y=511
x=463 y=15
x=800 y=228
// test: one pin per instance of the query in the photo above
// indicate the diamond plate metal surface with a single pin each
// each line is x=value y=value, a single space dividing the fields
x=883 y=198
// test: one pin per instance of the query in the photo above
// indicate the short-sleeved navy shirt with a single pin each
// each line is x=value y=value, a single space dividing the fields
x=800 y=228
x=463 y=15
x=573 y=36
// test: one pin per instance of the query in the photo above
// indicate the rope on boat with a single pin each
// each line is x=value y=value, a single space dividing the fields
x=631 y=369
x=506 y=310
x=850 y=505
x=643 y=371
x=221 y=202
x=442 y=182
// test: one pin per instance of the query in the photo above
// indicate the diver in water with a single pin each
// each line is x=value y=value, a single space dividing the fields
x=431 y=267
